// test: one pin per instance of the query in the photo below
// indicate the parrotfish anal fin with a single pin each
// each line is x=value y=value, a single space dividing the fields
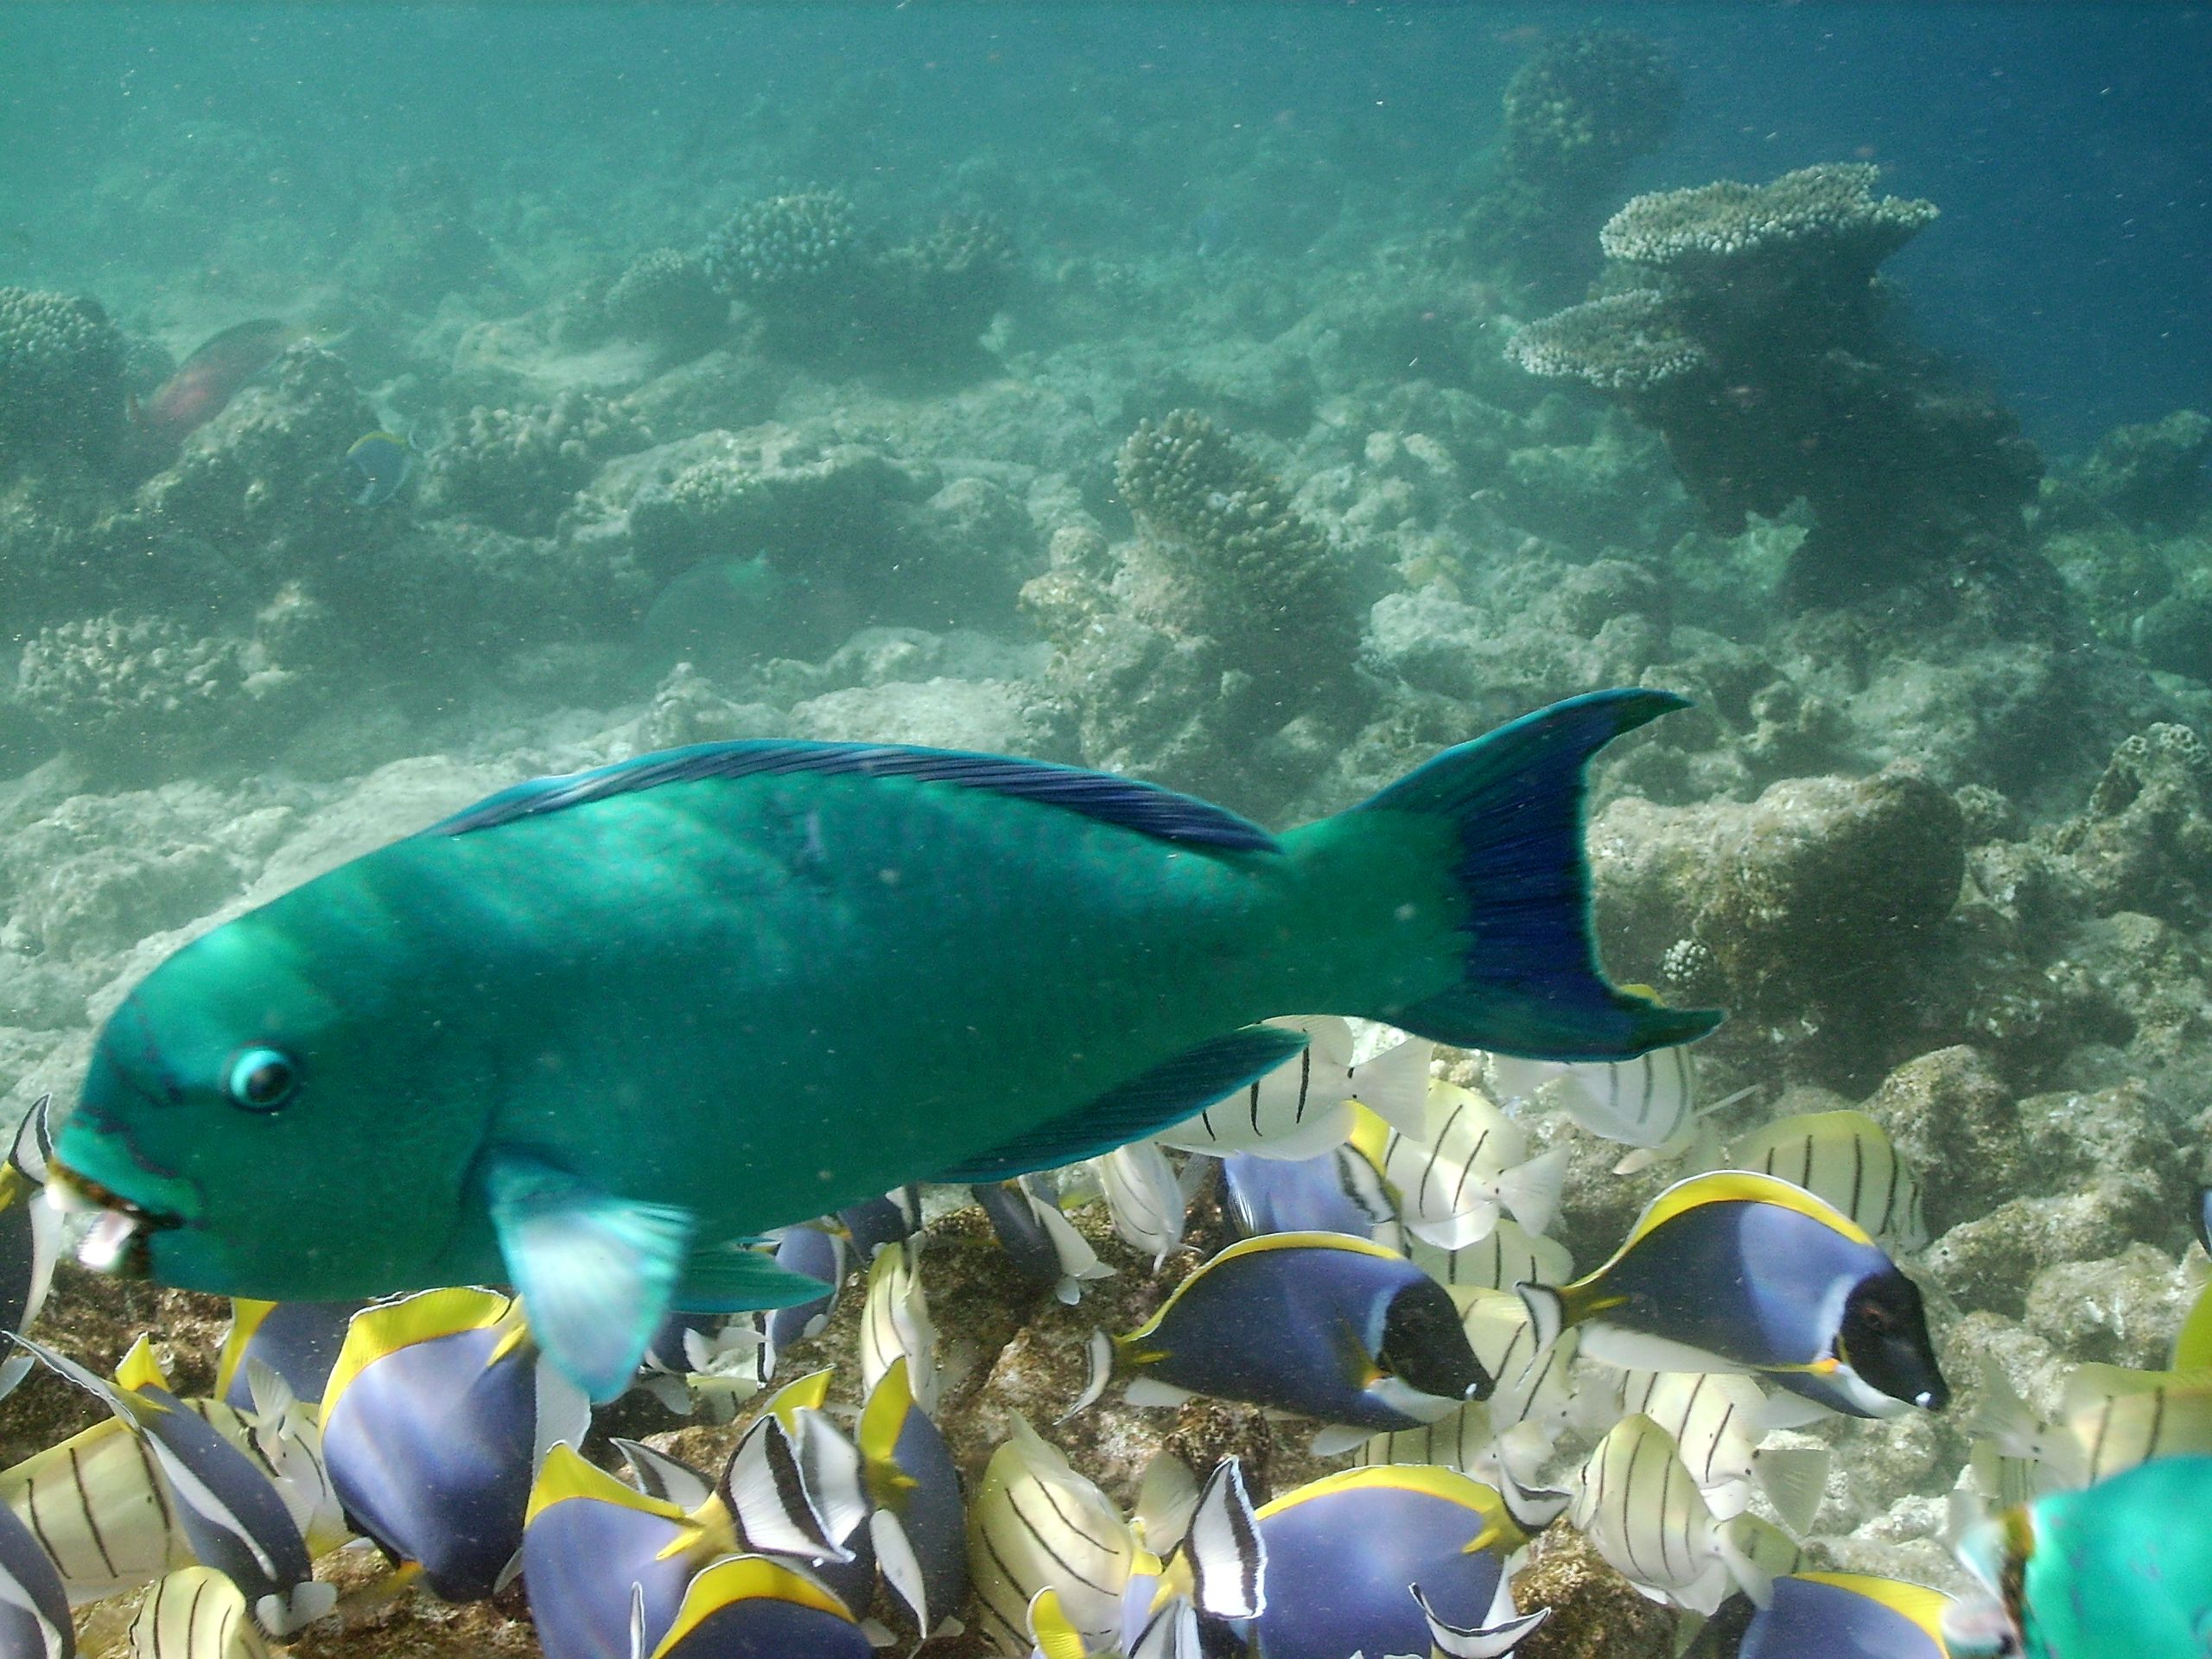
x=1145 y=808
x=1169 y=1094
x=596 y=1273
x=729 y=1279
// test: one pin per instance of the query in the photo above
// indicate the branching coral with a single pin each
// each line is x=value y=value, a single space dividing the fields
x=61 y=365
x=516 y=469
x=1752 y=342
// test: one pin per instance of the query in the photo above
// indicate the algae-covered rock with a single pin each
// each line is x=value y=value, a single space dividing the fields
x=519 y=469
x=1595 y=1612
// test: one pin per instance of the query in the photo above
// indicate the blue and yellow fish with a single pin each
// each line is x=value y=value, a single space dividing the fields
x=433 y=1420
x=34 y=1620
x=299 y=1341
x=384 y=461
x=1734 y=1271
x=750 y=1607
x=585 y=1035
x=918 y=1524
x=1360 y=1561
x=1320 y=1324
x=1847 y=1616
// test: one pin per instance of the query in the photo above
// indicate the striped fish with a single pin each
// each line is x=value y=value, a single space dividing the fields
x=1036 y=1524
x=1717 y=1422
x=1534 y=1382
x=31 y=1235
x=1303 y=1107
x=1637 y=1503
x=1038 y=1239
x=1510 y=1256
x=1846 y=1157
x=1144 y=1197
x=895 y=1323
x=1647 y=1102
x=195 y=1613
x=1465 y=1441
x=1465 y=1166
x=2110 y=1418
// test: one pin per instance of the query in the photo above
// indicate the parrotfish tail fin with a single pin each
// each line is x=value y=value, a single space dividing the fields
x=1529 y=980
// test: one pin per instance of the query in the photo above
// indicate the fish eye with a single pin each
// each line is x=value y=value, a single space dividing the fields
x=261 y=1079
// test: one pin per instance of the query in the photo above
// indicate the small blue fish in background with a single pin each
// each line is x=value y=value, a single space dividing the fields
x=229 y=1510
x=384 y=461
x=712 y=1360
x=892 y=1219
x=1738 y=1272
x=299 y=1341
x=1339 y=1192
x=918 y=1524
x=433 y=1422
x=35 y=1621
x=1320 y=1324
x=1208 y=232
x=1368 y=1559
x=1037 y=1237
x=750 y=1607
x=30 y=1236
x=1847 y=1616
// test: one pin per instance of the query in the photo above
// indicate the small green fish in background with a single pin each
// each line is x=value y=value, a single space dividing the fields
x=1738 y=1272
x=1847 y=1616
x=2120 y=1570
x=588 y=1035
x=385 y=461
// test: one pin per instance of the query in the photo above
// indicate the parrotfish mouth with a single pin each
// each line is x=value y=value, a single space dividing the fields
x=119 y=1242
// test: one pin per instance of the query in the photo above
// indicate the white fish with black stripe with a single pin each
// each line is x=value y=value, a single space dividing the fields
x=1534 y=1380
x=31 y=1235
x=1510 y=1256
x=231 y=1512
x=1846 y=1158
x=895 y=1321
x=1718 y=1420
x=195 y=1613
x=1647 y=1101
x=1466 y=1166
x=1043 y=1244
x=1639 y=1506
x=1036 y=1524
x=1303 y=1107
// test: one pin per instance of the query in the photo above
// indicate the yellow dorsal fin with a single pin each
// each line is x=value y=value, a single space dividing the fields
x=1482 y=1502
x=745 y=1578
x=386 y=1327
x=568 y=1474
x=1726 y=1187
x=1917 y=1602
x=801 y=1393
x=246 y=1316
x=883 y=1420
x=139 y=1369
x=1266 y=1242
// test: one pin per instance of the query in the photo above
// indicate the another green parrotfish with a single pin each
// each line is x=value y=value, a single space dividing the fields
x=585 y=1035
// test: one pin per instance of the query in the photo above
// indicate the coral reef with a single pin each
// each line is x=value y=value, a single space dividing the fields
x=1752 y=342
x=517 y=469
x=666 y=295
x=1576 y=116
x=61 y=373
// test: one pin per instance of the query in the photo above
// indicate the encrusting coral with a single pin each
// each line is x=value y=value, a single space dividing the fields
x=1752 y=340
x=61 y=365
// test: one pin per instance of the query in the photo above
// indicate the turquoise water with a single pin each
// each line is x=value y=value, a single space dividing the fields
x=398 y=403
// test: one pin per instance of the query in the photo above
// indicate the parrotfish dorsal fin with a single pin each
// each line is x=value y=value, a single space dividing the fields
x=1145 y=808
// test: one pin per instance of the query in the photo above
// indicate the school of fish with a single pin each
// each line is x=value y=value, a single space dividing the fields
x=1381 y=1209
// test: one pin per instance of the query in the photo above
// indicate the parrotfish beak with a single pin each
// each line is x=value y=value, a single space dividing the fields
x=119 y=1241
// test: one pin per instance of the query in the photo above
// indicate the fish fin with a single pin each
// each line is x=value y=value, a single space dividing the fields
x=1795 y=1480
x=1147 y=1391
x=1790 y=1411
x=1123 y=802
x=1052 y=1630
x=835 y=1475
x=1170 y=1092
x=1548 y=1313
x=1337 y=1439
x=730 y=1279
x=1098 y=1361
x=660 y=1476
x=1530 y=1191
x=1167 y=1496
x=1639 y=1351
x=900 y=1567
x=595 y=1272
x=1222 y=1551
x=1394 y=1085
x=1530 y=980
x=1487 y=1641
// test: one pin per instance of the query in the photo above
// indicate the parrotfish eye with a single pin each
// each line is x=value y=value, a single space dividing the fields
x=261 y=1079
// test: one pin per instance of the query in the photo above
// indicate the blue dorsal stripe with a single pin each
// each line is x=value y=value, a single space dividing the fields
x=1145 y=808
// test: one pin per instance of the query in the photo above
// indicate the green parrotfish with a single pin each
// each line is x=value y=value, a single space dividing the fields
x=589 y=1036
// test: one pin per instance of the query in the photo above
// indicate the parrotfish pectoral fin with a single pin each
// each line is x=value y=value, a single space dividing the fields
x=1530 y=984
x=1169 y=1094
x=596 y=1273
x=731 y=1279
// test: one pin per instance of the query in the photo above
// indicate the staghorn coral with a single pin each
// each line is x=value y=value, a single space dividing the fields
x=517 y=469
x=1751 y=341
x=61 y=367
x=667 y=296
